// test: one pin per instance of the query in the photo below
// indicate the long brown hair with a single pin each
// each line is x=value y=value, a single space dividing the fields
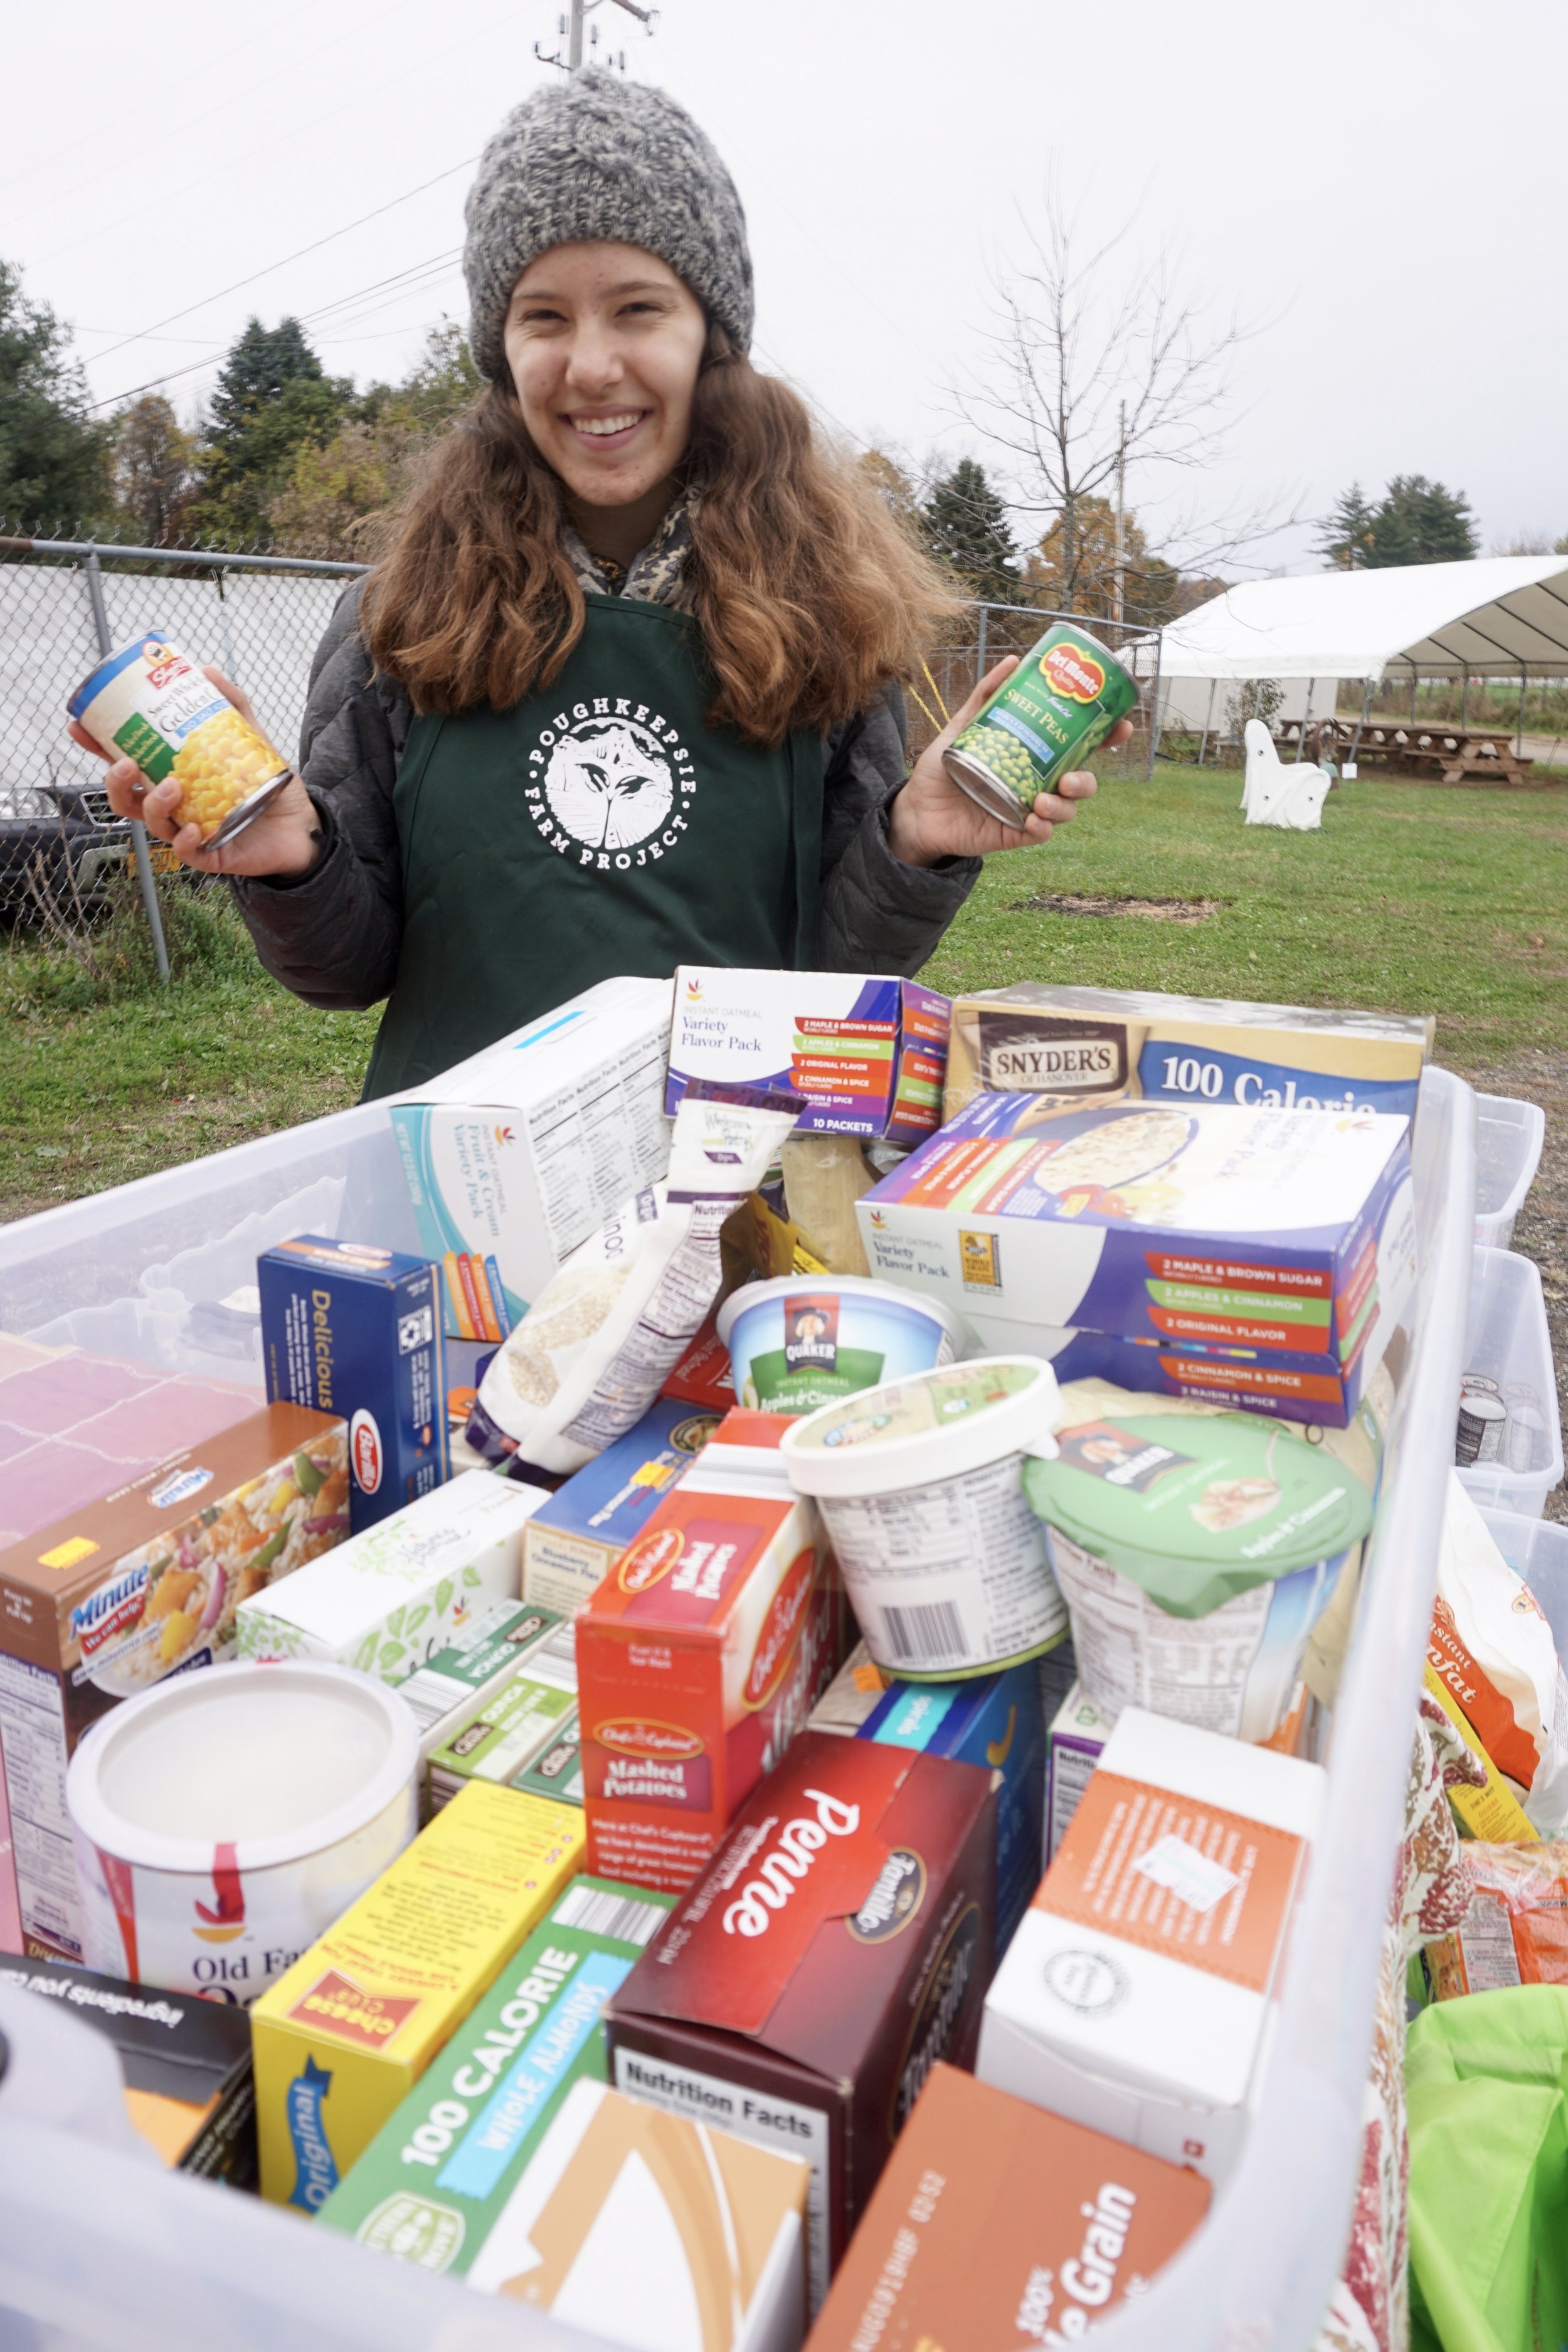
x=809 y=593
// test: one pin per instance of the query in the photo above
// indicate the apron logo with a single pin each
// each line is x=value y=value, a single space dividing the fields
x=610 y=784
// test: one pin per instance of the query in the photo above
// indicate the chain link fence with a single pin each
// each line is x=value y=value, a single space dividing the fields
x=65 y=604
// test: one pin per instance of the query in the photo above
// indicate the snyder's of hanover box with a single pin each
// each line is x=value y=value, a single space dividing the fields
x=405 y=1589
x=1289 y=1234
x=858 y=1057
x=356 y=1330
x=515 y=1156
x=700 y=1658
x=1074 y=1047
x=575 y=1538
x=141 y=1583
x=838 y=1945
x=440 y=2174
x=1135 y=1996
x=341 y=2039
x=997 y=2224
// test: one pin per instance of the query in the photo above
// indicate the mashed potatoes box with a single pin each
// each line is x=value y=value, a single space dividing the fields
x=512 y=1158
x=838 y=1946
x=1071 y=1047
x=1287 y=1234
x=860 y=1056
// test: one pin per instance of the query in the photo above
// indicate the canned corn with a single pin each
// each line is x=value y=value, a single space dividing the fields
x=1060 y=703
x=150 y=703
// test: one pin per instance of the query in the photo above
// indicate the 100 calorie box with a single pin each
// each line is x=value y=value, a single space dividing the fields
x=838 y=1945
x=698 y=1659
x=354 y=1330
x=439 y=2174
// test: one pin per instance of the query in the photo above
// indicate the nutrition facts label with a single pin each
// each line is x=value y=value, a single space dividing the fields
x=32 y=1727
x=595 y=1142
x=1132 y=1653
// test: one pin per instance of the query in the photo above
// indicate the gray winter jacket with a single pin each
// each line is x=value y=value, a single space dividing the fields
x=333 y=937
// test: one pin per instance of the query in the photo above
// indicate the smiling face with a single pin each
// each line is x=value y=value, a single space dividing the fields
x=605 y=342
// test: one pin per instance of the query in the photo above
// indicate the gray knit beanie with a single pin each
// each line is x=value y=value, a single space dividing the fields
x=601 y=157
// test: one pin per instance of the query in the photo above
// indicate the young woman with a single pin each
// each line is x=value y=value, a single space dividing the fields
x=623 y=693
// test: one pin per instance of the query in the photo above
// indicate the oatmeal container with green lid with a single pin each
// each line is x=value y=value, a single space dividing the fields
x=1059 y=705
x=1195 y=1553
x=919 y=1484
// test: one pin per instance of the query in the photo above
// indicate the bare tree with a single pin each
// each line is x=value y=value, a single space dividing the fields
x=1097 y=368
x=154 y=469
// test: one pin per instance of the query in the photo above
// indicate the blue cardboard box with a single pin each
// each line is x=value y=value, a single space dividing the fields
x=999 y=1721
x=573 y=1540
x=354 y=1329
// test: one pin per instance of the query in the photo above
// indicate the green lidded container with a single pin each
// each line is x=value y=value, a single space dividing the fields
x=1060 y=704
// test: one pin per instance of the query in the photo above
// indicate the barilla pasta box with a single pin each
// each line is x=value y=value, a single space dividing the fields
x=576 y=1538
x=515 y=1156
x=1077 y=1734
x=444 y=1692
x=1071 y=1047
x=700 y=1656
x=439 y=2175
x=997 y=1721
x=405 y=1589
x=837 y=1946
x=146 y=1582
x=855 y=1056
x=997 y=2224
x=342 y=2038
x=500 y=1737
x=354 y=1330
x=1288 y=1233
x=1135 y=1997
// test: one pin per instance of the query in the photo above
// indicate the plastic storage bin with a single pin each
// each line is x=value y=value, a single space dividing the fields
x=1509 y=1136
x=100 y=2251
x=1537 y=1549
x=1510 y=1340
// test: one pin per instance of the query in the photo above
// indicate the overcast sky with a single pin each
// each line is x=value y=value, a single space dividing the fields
x=1377 y=183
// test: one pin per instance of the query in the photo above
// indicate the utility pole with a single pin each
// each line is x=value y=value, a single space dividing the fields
x=1121 y=505
x=569 y=29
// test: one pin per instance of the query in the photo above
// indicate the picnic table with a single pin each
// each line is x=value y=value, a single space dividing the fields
x=1455 y=751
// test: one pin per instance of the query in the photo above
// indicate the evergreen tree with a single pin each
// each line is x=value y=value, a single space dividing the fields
x=53 y=457
x=1345 y=534
x=965 y=527
x=273 y=399
x=1421 y=522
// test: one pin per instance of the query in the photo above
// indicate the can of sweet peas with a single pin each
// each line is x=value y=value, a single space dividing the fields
x=1060 y=703
x=150 y=703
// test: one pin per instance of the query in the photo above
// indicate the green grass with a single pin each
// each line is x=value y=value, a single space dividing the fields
x=1410 y=900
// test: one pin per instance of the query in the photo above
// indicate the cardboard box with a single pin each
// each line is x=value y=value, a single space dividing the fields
x=496 y=1642
x=575 y=1538
x=500 y=1737
x=1288 y=1233
x=1135 y=1997
x=557 y=1769
x=1317 y=1388
x=354 y=1329
x=700 y=1659
x=838 y=1945
x=1077 y=1734
x=704 y=1377
x=389 y=1599
x=997 y=1721
x=858 y=1055
x=995 y=2224
x=103 y=1604
x=516 y=1155
x=342 y=2038
x=441 y=2171
x=189 y=2089
x=1071 y=1046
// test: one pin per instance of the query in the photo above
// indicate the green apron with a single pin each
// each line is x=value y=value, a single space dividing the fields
x=597 y=828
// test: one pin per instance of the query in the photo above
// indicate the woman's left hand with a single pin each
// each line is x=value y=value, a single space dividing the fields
x=932 y=817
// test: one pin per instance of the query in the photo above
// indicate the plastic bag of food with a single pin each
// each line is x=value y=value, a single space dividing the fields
x=823 y=1176
x=593 y=1351
x=1515 y=1930
x=1492 y=1649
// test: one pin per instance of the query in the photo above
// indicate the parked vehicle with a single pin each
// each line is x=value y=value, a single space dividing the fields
x=62 y=831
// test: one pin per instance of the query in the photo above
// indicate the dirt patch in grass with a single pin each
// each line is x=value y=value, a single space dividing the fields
x=1152 y=910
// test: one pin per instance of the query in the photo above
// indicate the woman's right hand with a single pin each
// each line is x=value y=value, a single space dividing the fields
x=284 y=840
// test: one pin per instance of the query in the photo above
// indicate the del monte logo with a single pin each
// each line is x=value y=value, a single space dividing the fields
x=1072 y=672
